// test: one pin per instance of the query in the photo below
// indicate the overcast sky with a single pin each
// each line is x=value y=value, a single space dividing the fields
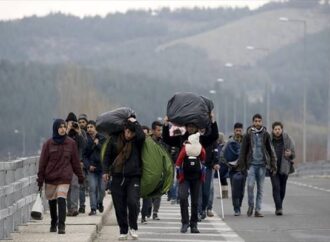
x=11 y=9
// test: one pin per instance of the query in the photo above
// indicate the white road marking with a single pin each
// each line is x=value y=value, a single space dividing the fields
x=309 y=186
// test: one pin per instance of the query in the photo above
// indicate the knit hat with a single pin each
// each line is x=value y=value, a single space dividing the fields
x=71 y=117
x=83 y=116
x=193 y=148
x=92 y=122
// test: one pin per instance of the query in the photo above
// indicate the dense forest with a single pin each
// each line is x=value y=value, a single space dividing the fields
x=60 y=63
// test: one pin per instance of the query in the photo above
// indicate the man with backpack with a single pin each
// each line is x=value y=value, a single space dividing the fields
x=229 y=157
x=190 y=174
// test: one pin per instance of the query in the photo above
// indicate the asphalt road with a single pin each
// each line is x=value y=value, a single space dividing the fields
x=306 y=218
x=306 y=213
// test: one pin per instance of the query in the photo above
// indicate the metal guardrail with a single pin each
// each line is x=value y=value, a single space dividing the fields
x=18 y=189
x=315 y=168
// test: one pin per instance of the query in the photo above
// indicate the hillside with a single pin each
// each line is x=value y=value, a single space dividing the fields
x=228 y=43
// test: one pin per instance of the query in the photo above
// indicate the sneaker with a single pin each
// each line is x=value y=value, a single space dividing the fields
x=143 y=221
x=194 y=230
x=122 y=237
x=210 y=213
x=258 y=214
x=203 y=215
x=199 y=217
x=61 y=229
x=100 y=208
x=92 y=212
x=133 y=234
x=81 y=210
x=72 y=213
x=249 y=211
x=155 y=216
x=279 y=212
x=237 y=212
x=53 y=229
x=184 y=228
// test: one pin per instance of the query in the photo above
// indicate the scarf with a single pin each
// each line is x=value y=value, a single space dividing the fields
x=125 y=148
x=58 y=139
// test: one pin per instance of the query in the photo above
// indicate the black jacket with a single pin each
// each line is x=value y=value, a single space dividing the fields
x=92 y=153
x=207 y=141
x=133 y=165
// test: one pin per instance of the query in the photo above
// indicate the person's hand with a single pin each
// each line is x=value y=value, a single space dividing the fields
x=273 y=172
x=131 y=119
x=165 y=120
x=212 y=116
x=92 y=168
x=106 y=177
x=96 y=141
x=81 y=165
x=287 y=153
x=216 y=167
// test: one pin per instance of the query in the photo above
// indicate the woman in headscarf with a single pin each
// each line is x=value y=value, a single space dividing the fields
x=59 y=159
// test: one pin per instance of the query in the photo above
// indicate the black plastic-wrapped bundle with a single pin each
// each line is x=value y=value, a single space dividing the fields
x=112 y=122
x=188 y=108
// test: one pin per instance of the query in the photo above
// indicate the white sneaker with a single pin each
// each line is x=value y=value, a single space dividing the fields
x=133 y=233
x=122 y=237
x=210 y=213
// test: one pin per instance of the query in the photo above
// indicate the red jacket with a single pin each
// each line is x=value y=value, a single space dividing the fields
x=182 y=155
x=58 y=162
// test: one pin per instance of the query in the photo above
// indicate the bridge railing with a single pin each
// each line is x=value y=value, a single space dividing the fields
x=18 y=190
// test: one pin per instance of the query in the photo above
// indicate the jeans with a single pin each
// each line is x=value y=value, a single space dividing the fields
x=204 y=194
x=237 y=182
x=256 y=174
x=174 y=191
x=156 y=204
x=96 y=189
x=279 y=187
x=146 y=207
x=73 y=194
x=82 y=190
x=210 y=203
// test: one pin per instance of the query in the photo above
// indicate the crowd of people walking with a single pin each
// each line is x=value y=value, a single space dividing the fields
x=78 y=161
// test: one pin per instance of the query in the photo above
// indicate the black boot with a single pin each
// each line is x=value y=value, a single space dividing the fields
x=61 y=215
x=53 y=215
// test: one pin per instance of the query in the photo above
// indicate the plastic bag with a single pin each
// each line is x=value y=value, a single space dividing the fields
x=37 y=211
x=188 y=108
x=112 y=122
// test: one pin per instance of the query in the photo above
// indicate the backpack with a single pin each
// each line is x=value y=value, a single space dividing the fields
x=191 y=167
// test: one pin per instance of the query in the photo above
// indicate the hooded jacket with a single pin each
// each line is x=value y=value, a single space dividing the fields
x=246 y=152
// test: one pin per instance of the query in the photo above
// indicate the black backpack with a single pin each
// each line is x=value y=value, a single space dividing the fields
x=191 y=168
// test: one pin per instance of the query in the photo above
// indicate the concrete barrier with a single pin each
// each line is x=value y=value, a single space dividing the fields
x=18 y=189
